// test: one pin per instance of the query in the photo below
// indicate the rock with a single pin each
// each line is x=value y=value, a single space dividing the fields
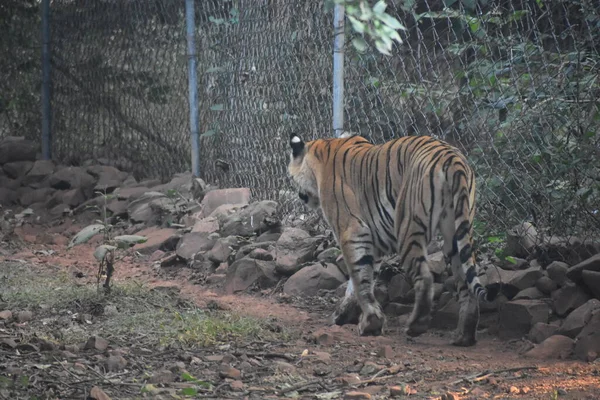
x=587 y=347
x=309 y=280
x=255 y=218
x=386 y=351
x=237 y=386
x=17 y=169
x=493 y=274
x=72 y=178
x=39 y=172
x=8 y=196
x=216 y=198
x=447 y=316
x=164 y=239
x=98 y=394
x=245 y=273
x=96 y=343
x=208 y=225
x=7 y=183
x=293 y=248
x=329 y=255
x=131 y=193
x=115 y=363
x=526 y=278
x=437 y=263
x=31 y=196
x=222 y=249
x=214 y=279
x=181 y=183
x=567 y=299
x=400 y=290
x=108 y=178
x=516 y=318
x=521 y=240
x=591 y=264
x=195 y=242
x=557 y=271
x=531 y=293
x=555 y=347
x=268 y=236
x=225 y=371
x=571 y=250
x=224 y=211
x=592 y=281
x=17 y=149
x=247 y=249
x=262 y=254
x=162 y=376
x=542 y=331
x=151 y=207
x=326 y=336
x=513 y=263
x=546 y=285
x=73 y=197
x=5 y=315
x=24 y=316
x=576 y=320
x=118 y=208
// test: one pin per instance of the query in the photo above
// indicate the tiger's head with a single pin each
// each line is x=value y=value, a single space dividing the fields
x=302 y=170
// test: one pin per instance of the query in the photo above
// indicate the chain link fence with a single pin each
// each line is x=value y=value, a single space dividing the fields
x=512 y=83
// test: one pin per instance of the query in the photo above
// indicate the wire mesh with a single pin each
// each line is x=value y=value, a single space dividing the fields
x=514 y=84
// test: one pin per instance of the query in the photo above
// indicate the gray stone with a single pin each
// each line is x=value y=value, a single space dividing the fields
x=557 y=271
x=546 y=285
x=592 y=281
x=526 y=278
x=17 y=169
x=591 y=264
x=400 y=290
x=447 y=316
x=587 y=347
x=531 y=293
x=195 y=242
x=294 y=248
x=254 y=219
x=555 y=347
x=521 y=240
x=247 y=273
x=216 y=198
x=17 y=149
x=309 y=280
x=577 y=319
x=222 y=249
x=542 y=331
x=329 y=255
x=517 y=317
x=567 y=299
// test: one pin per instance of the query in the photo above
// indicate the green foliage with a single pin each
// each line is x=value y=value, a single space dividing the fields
x=371 y=21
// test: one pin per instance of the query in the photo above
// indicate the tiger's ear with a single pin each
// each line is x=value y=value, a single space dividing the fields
x=297 y=145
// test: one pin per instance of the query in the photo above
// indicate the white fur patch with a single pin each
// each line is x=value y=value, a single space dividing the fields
x=296 y=139
x=347 y=134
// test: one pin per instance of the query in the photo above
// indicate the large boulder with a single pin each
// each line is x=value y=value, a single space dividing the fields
x=592 y=281
x=294 y=248
x=567 y=299
x=253 y=219
x=219 y=197
x=587 y=347
x=17 y=169
x=516 y=318
x=577 y=319
x=246 y=273
x=151 y=207
x=542 y=331
x=591 y=264
x=400 y=290
x=195 y=242
x=555 y=347
x=309 y=280
x=521 y=240
x=17 y=149
x=72 y=178
x=557 y=271
x=39 y=172
x=108 y=178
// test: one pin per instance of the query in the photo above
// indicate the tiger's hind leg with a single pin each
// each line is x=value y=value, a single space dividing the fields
x=359 y=255
x=457 y=247
x=348 y=310
x=422 y=278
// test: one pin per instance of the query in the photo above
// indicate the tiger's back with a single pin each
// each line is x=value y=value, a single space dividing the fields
x=381 y=199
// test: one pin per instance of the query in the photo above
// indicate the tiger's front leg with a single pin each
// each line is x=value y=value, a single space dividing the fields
x=358 y=254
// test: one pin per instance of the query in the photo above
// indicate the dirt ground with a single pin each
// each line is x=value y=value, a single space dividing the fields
x=160 y=333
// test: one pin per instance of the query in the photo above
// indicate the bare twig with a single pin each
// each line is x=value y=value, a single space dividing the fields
x=267 y=355
x=486 y=374
x=300 y=386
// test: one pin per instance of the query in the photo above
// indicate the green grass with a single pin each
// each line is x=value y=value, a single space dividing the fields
x=145 y=317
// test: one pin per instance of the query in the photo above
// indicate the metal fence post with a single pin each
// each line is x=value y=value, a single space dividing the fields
x=338 y=70
x=46 y=82
x=192 y=86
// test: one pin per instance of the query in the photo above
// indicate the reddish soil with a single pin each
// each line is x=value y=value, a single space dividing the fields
x=429 y=366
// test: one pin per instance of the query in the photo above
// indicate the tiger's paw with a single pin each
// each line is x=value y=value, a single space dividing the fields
x=371 y=324
x=464 y=341
x=418 y=327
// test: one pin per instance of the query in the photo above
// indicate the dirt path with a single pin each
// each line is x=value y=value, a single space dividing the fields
x=337 y=363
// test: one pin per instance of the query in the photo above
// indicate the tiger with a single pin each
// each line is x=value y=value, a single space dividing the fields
x=394 y=198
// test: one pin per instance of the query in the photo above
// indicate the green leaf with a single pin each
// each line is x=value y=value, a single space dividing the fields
x=391 y=22
x=357 y=25
x=187 y=377
x=102 y=250
x=124 y=241
x=217 y=21
x=511 y=260
x=382 y=47
x=360 y=44
x=86 y=234
x=217 y=107
x=209 y=133
x=379 y=7
x=189 y=391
